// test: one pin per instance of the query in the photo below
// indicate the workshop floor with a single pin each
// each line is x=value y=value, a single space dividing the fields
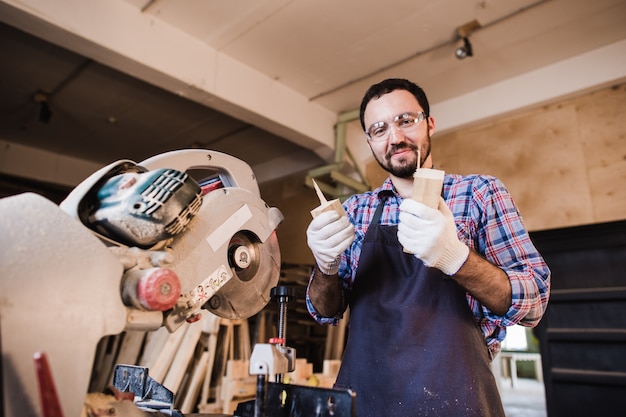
x=527 y=399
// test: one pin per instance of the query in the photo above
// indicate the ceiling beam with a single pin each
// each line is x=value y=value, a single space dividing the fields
x=113 y=33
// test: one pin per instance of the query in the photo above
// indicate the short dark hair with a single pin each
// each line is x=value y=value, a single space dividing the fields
x=389 y=85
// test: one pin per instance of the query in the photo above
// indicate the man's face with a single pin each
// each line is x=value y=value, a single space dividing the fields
x=397 y=152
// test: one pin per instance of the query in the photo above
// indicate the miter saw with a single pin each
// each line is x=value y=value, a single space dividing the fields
x=135 y=246
x=138 y=246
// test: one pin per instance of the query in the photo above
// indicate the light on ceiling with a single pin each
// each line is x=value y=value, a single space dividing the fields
x=464 y=51
x=45 y=112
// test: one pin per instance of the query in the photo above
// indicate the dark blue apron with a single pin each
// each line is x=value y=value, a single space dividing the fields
x=413 y=348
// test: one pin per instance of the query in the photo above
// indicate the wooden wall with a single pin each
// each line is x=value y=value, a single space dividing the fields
x=564 y=163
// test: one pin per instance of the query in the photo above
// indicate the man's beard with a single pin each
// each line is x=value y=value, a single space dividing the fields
x=403 y=168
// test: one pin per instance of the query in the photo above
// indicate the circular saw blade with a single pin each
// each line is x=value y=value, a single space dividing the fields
x=248 y=291
x=232 y=232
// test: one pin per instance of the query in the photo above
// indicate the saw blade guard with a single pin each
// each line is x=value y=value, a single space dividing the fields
x=228 y=258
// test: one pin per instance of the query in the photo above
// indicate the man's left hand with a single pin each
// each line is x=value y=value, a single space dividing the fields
x=430 y=234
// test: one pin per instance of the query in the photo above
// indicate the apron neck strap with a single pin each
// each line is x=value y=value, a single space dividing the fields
x=382 y=197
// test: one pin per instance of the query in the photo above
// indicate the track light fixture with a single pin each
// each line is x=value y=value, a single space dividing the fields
x=45 y=113
x=463 y=32
x=464 y=51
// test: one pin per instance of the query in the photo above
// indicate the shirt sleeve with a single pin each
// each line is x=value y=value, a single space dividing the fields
x=502 y=238
x=333 y=321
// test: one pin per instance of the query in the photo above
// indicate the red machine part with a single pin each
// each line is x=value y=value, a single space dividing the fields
x=50 y=404
x=153 y=289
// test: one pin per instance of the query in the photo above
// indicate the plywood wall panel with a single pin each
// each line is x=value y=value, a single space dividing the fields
x=609 y=192
x=536 y=158
x=603 y=135
x=564 y=163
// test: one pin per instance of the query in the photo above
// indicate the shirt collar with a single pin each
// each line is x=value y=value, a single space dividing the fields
x=387 y=189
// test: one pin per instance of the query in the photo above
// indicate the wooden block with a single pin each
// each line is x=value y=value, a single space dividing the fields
x=427 y=185
x=238 y=369
x=300 y=362
x=239 y=388
x=236 y=390
x=325 y=381
x=328 y=206
x=331 y=367
x=303 y=370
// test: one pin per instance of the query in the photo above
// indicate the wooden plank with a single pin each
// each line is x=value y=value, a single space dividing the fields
x=131 y=347
x=183 y=356
x=166 y=356
x=199 y=373
x=154 y=344
x=238 y=369
x=225 y=350
x=602 y=127
x=211 y=326
x=244 y=339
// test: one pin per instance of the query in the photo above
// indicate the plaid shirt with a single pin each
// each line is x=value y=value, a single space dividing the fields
x=487 y=221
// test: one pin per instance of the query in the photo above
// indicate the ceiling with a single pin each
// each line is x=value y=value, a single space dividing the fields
x=326 y=51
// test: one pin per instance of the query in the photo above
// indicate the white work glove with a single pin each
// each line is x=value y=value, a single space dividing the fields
x=431 y=236
x=328 y=235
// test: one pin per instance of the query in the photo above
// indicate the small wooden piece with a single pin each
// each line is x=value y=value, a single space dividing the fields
x=301 y=373
x=326 y=205
x=332 y=205
x=331 y=367
x=427 y=185
x=238 y=368
x=235 y=391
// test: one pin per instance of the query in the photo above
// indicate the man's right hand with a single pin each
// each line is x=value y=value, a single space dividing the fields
x=328 y=236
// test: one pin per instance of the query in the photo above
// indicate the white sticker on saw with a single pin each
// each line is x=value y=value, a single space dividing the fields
x=231 y=226
x=207 y=288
